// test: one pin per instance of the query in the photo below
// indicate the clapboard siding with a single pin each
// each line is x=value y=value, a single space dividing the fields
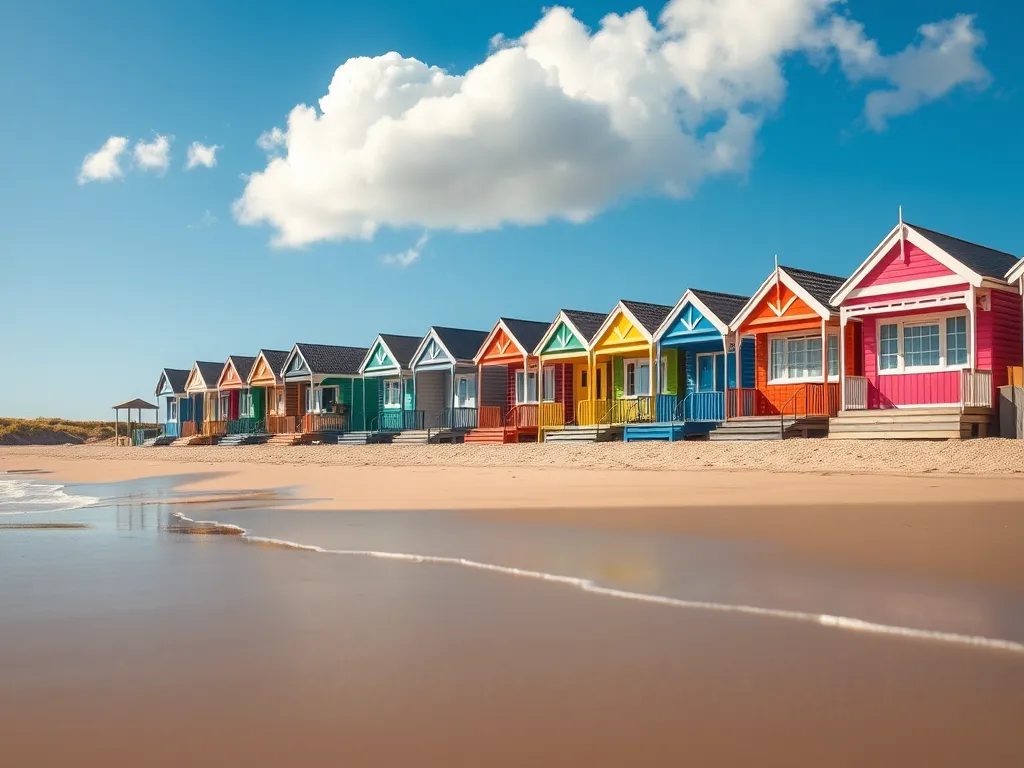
x=915 y=264
x=892 y=390
x=433 y=393
x=493 y=387
x=999 y=336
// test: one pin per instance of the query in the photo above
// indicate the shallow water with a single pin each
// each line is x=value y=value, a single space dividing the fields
x=127 y=639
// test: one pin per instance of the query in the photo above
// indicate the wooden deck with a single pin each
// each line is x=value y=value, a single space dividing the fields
x=927 y=423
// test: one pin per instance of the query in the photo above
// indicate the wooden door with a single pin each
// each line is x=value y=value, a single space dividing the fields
x=582 y=384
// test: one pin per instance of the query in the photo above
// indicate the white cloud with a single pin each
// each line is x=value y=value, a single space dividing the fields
x=946 y=57
x=153 y=156
x=408 y=256
x=206 y=220
x=564 y=121
x=105 y=163
x=201 y=155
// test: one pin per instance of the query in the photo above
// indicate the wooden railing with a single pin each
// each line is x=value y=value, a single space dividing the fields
x=552 y=414
x=324 y=422
x=457 y=418
x=215 y=428
x=283 y=425
x=701 y=407
x=189 y=429
x=976 y=389
x=742 y=402
x=523 y=416
x=247 y=425
x=855 y=393
x=821 y=399
x=591 y=412
x=490 y=417
x=665 y=407
x=398 y=420
x=635 y=410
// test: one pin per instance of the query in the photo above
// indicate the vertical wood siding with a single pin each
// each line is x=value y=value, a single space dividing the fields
x=999 y=336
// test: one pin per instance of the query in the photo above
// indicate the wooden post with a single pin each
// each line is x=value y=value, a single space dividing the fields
x=842 y=359
x=653 y=387
x=737 y=341
x=824 y=367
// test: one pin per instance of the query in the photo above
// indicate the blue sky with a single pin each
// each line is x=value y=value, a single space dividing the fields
x=104 y=283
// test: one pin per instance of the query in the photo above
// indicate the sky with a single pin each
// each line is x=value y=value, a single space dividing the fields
x=191 y=180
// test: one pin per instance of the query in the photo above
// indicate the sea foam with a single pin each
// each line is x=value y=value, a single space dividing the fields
x=21 y=497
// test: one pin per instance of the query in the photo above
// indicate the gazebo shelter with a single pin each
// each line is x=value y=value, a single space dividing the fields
x=136 y=405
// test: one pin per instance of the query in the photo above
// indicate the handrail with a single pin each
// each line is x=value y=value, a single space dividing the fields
x=703 y=407
x=782 y=410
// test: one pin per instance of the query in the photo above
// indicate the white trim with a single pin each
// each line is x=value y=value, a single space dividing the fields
x=938 y=319
x=469 y=377
x=500 y=325
x=431 y=334
x=314 y=389
x=637 y=362
x=401 y=393
x=291 y=356
x=804 y=334
x=379 y=341
x=906 y=286
x=278 y=380
x=621 y=308
x=526 y=386
x=690 y=298
x=714 y=370
x=899 y=305
x=554 y=384
x=560 y=318
x=780 y=274
x=911 y=236
x=1016 y=272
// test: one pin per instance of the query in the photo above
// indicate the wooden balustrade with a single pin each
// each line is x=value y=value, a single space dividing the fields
x=702 y=407
x=976 y=389
x=592 y=412
x=217 y=428
x=855 y=393
x=523 y=416
x=490 y=417
x=189 y=429
x=282 y=425
x=742 y=402
x=551 y=414
x=634 y=410
x=324 y=422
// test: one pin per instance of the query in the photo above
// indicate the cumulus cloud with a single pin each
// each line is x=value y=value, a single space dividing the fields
x=201 y=155
x=408 y=256
x=105 y=163
x=154 y=155
x=564 y=121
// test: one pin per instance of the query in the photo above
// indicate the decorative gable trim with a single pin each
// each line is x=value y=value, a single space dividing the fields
x=262 y=362
x=163 y=385
x=499 y=327
x=225 y=374
x=910 y=235
x=435 y=351
x=779 y=275
x=374 y=352
x=622 y=309
x=1016 y=272
x=561 y=319
x=195 y=382
x=295 y=353
x=690 y=299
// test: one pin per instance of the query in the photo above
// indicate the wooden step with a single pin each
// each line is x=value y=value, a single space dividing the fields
x=490 y=435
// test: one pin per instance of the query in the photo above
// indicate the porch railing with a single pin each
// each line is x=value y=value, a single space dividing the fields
x=523 y=416
x=397 y=420
x=172 y=429
x=636 y=410
x=247 y=425
x=702 y=407
x=551 y=414
x=665 y=407
x=591 y=412
x=855 y=393
x=283 y=425
x=457 y=418
x=976 y=389
x=742 y=402
x=490 y=417
x=217 y=428
x=189 y=429
x=822 y=399
x=324 y=422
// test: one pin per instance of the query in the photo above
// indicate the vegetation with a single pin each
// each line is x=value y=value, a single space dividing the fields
x=54 y=431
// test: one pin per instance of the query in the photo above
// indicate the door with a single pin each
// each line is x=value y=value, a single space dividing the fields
x=582 y=384
x=601 y=381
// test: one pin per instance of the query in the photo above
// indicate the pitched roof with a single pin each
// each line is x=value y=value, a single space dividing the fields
x=527 y=332
x=985 y=261
x=136 y=403
x=587 y=323
x=402 y=347
x=275 y=358
x=819 y=285
x=210 y=373
x=243 y=365
x=461 y=343
x=326 y=358
x=725 y=305
x=176 y=378
x=650 y=316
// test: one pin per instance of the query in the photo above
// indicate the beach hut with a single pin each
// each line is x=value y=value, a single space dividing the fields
x=565 y=348
x=1015 y=276
x=445 y=383
x=331 y=397
x=243 y=405
x=696 y=361
x=202 y=426
x=388 y=364
x=512 y=415
x=171 y=387
x=267 y=396
x=796 y=359
x=940 y=324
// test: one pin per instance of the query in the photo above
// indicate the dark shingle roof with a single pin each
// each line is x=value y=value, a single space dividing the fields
x=527 y=332
x=210 y=373
x=461 y=343
x=325 y=358
x=985 y=261
x=275 y=359
x=725 y=305
x=650 y=316
x=176 y=378
x=402 y=347
x=243 y=365
x=820 y=286
x=587 y=323
x=136 y=403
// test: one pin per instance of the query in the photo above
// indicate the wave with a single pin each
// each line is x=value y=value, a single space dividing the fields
x=21 y=497
x=844 y=623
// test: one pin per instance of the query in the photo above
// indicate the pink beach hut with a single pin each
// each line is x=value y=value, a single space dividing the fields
x=941 y=323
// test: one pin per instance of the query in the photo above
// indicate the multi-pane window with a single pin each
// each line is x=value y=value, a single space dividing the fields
x=548 y=393
x=465 y=392
x=638 y=378
x=888 y=347
x=799 y=357
x=956 y=340
x=392 y=393
x=778 y=355
x=526 y=387
x=245 y=405
x=921 y=346
x=833 y=356
x=223 y=406
x=321 y=399
x=172 y=410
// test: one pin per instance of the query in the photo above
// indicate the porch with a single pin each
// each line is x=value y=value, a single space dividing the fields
x=518 y=424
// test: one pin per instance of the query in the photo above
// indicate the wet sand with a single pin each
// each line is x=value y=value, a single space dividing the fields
x=126 y=644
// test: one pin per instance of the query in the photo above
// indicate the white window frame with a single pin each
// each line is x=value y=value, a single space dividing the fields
x=172 y=411
x=663 y=375
x=546 y=395
x=223 y=406
x=470 y=380
x=714 y=370
x=636 y=362
x=787 y=379
x=393 y=387
x=523 y=387
x=916 y=321
x=280 y=402
x=315 y=398
x=245 y=405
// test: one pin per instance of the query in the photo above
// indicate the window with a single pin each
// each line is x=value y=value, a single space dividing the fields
x=638 y=378
x=172 y=410
x=548 y=390
x=706 y=373
x=583 y=379
x=223 y=407
x=321 y=399
x=799 y=358
x=663 y=375
x=245 y=405
x=465 y=392
x=280 y=402
x=923 y=343
x=888 y=347
x=956 y=340
x=526 y=387
x=392 y=393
